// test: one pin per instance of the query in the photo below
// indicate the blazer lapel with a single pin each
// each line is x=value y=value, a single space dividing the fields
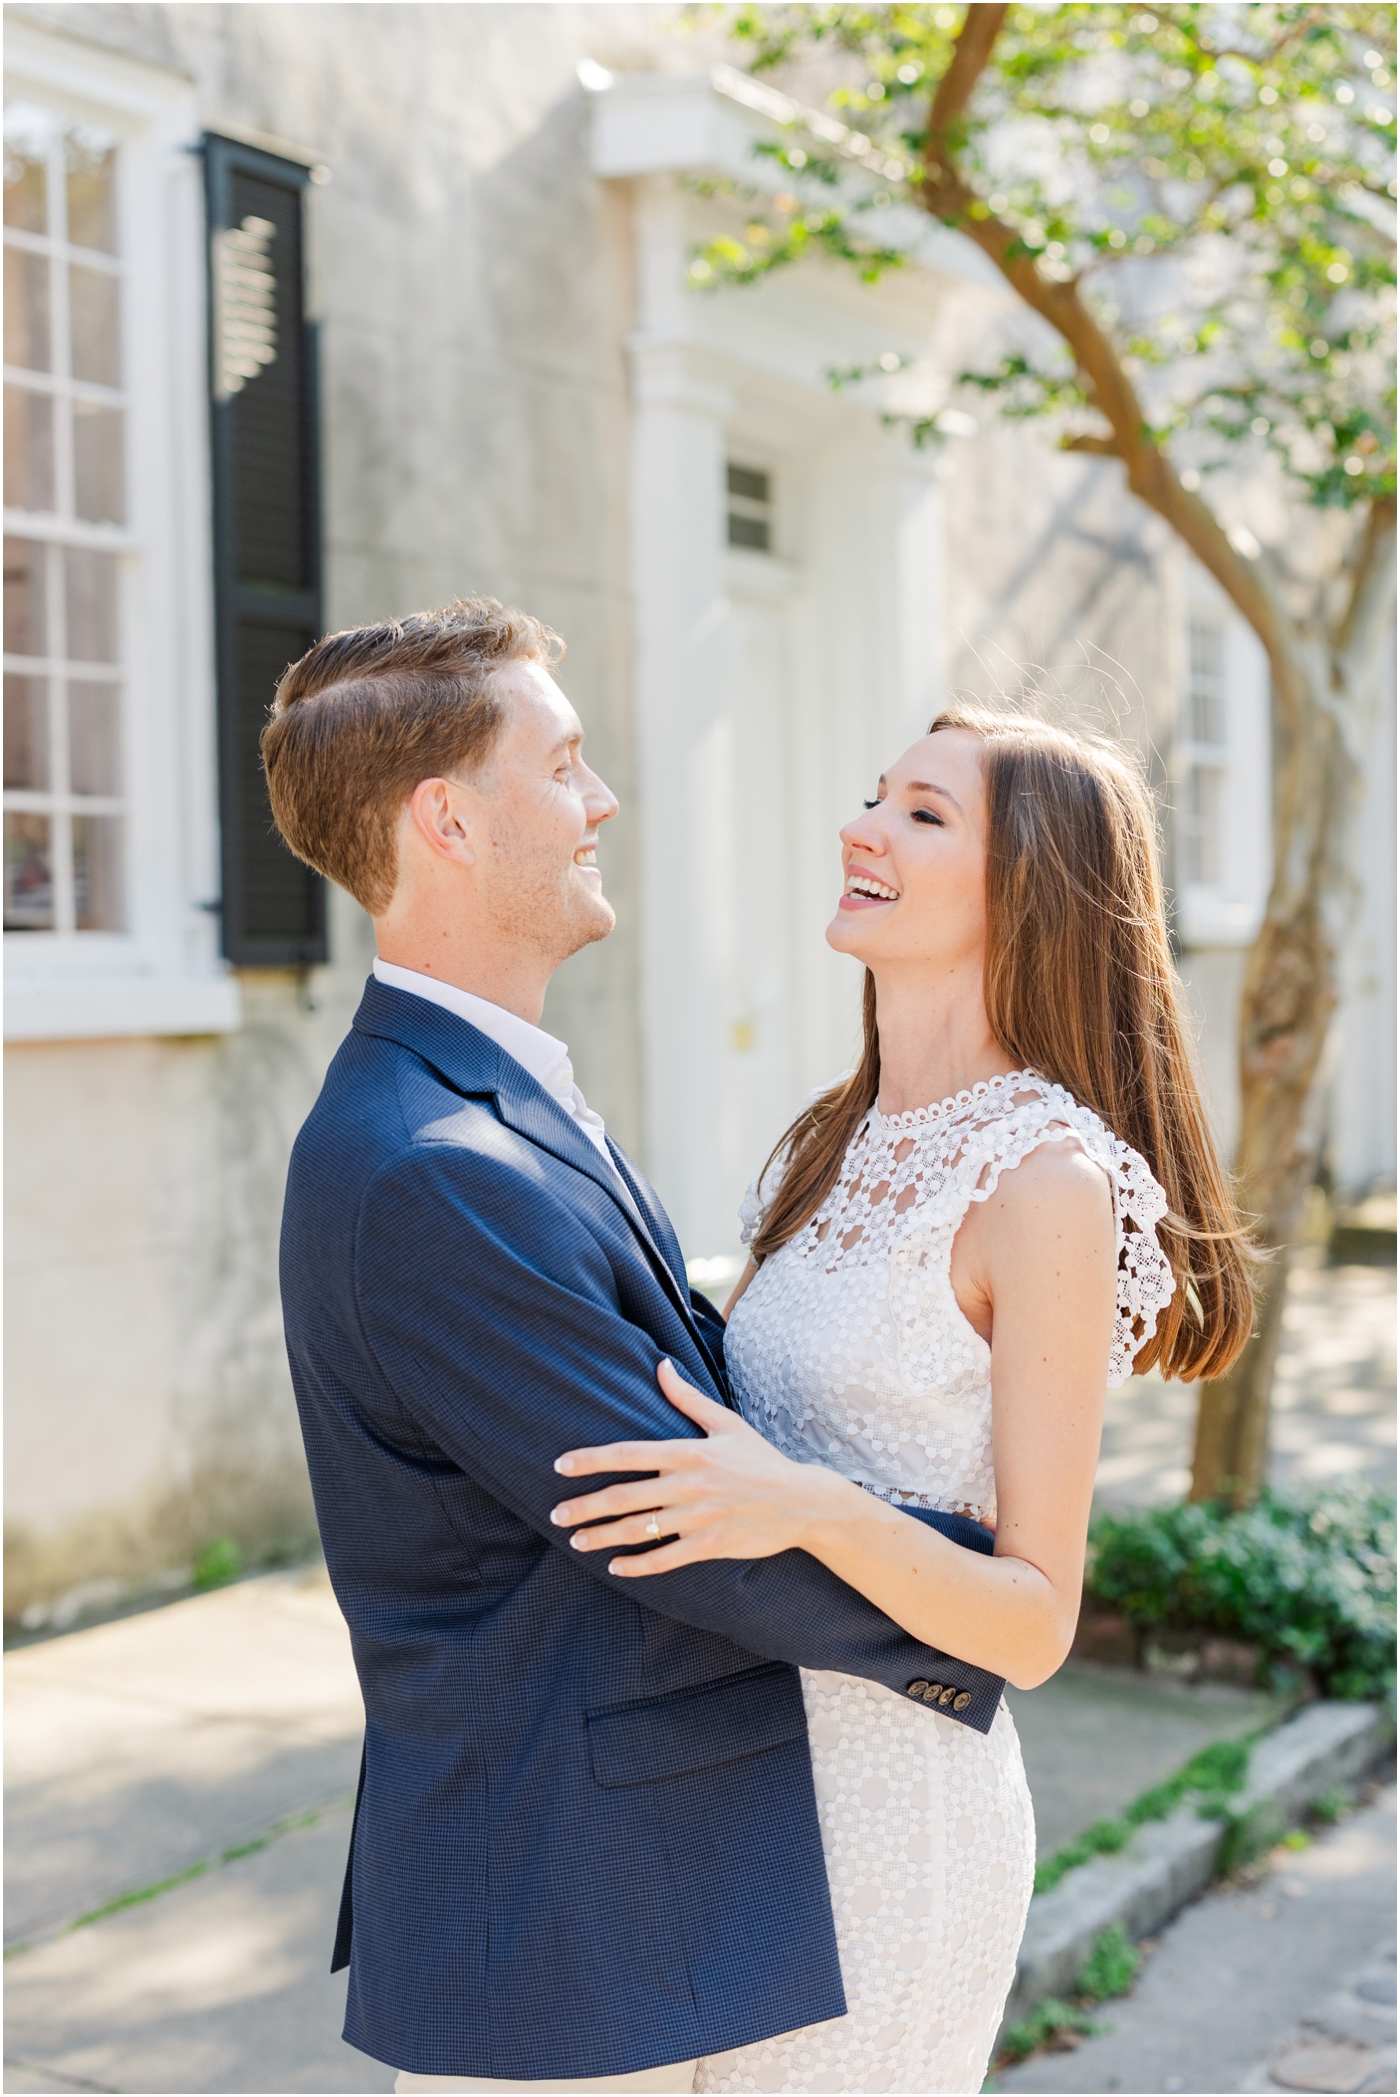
x=652 y=1213
x=472 y=1063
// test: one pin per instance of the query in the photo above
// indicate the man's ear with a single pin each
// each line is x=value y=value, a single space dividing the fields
x=439 y=816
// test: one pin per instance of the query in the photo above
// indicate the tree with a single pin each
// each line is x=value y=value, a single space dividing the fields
x=1194 y=201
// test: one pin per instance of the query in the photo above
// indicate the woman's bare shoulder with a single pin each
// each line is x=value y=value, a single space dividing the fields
x=1056 y=1200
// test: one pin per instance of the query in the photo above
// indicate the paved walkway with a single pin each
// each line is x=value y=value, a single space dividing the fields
x=201 y=1758
x=1285 y=1981
x=179 y=1787
x=219 y=1738
x=1334 y=1396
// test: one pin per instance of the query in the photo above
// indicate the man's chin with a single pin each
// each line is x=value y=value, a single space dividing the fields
x=593 y=920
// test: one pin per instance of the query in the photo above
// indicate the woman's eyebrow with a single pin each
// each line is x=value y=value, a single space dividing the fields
x=930 y=786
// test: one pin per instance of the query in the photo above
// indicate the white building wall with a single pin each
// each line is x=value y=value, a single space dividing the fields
x=521 y=397
x=473 y=285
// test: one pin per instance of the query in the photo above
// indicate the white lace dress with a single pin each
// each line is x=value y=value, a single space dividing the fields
x=848 y=1349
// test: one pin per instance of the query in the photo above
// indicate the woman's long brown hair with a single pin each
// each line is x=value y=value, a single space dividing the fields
x=1079 y=986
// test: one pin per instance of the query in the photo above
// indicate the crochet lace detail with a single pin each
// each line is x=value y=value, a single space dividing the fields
x=849 y=1348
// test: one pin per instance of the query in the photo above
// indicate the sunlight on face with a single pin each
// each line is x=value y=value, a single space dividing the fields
x=915 y=863
x=542 y=807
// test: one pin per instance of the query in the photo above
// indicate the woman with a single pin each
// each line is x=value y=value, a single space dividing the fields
x=1012 y=1202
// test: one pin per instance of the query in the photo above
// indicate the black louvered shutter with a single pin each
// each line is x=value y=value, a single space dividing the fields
x=267 y=535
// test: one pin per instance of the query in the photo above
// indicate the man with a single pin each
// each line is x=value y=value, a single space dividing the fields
x=585 y=1848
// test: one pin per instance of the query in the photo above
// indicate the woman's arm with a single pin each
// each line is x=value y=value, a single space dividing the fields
x=750 y=1270
x=1039 y=1259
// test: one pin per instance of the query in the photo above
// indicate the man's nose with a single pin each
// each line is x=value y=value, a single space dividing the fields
x=598 y=798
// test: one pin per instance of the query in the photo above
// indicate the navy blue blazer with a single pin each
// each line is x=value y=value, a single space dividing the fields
x=586 y=1841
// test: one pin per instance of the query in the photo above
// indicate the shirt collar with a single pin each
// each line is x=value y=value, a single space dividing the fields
x=546 y=1059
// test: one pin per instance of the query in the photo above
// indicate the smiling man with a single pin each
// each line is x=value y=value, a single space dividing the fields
x=586 y=1848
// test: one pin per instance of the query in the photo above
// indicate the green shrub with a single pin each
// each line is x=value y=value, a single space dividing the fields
x=1310 y=1582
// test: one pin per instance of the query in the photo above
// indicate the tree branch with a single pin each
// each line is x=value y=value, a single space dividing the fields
x=1099 y=447
x=946 y=196
x=982 y=26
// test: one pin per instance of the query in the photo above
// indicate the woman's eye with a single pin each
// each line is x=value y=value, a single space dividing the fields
x=870 y=804
x=926 y=815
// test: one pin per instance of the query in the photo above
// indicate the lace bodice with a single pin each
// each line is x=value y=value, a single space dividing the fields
x=848 y=1348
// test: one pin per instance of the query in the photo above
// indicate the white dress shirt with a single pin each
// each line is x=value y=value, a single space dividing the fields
x=546 y=1059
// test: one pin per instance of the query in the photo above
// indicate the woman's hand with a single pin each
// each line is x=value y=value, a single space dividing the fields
x=732 y=1495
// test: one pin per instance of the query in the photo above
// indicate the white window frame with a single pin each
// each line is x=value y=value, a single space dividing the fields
x=1228 y=911
x=163 y=974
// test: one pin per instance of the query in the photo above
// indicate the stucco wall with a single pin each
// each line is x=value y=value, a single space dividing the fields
x=473 y=284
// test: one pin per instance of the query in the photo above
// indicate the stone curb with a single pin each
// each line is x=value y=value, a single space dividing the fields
x=1168 y=1862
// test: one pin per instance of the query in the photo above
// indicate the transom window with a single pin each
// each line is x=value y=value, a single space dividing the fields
x=65 y=513
x=1205 y=757
x=750 y=498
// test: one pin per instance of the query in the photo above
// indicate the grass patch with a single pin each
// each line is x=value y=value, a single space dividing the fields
x=1110 y=1970
x=1048 y=2022
x=216 y=1563
x=141 y=1894
x=1212 y=1776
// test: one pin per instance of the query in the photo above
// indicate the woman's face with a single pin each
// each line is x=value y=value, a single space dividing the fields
x=915 y=863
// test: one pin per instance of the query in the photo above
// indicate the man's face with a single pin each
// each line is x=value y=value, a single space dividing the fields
x=535 y=824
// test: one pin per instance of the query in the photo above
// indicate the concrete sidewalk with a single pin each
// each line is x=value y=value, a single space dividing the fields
x=1309 y=1935
x=164 y=1745
x=1333 y=1415
x=215 y=1743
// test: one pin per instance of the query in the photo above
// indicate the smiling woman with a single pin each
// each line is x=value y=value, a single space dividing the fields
x=1011 y=1203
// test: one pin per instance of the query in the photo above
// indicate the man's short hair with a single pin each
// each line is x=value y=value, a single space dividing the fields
x=368 y=713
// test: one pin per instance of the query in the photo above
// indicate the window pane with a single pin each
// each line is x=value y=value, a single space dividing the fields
x=1207 y=649
x=748 y=481
x=748 y=531
x=97 y=349
x=92 y=161
x=1207 y=715
x=28 y=874
x=97 y=463
x=1203 y=838
x=91 y=583
x=28 y=449
x=26 y=310
x=27 y=131
x=97 y=896
x=94 y=757
x=26 y=735
x=24 y=598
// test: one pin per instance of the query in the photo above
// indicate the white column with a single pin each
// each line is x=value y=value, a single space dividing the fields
x=678 y=596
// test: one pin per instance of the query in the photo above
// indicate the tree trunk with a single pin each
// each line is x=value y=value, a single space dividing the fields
x=1324 y=679
x=1290 y=993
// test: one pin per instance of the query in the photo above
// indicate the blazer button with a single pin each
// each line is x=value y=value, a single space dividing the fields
x=947 y=1696
x=962 y=1700
x=918 y=1689
x=933 y=1692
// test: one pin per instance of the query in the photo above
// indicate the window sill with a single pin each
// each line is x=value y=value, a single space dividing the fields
x=74 y=1010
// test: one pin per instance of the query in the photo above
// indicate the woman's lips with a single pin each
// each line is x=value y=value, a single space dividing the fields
x=864 y=902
